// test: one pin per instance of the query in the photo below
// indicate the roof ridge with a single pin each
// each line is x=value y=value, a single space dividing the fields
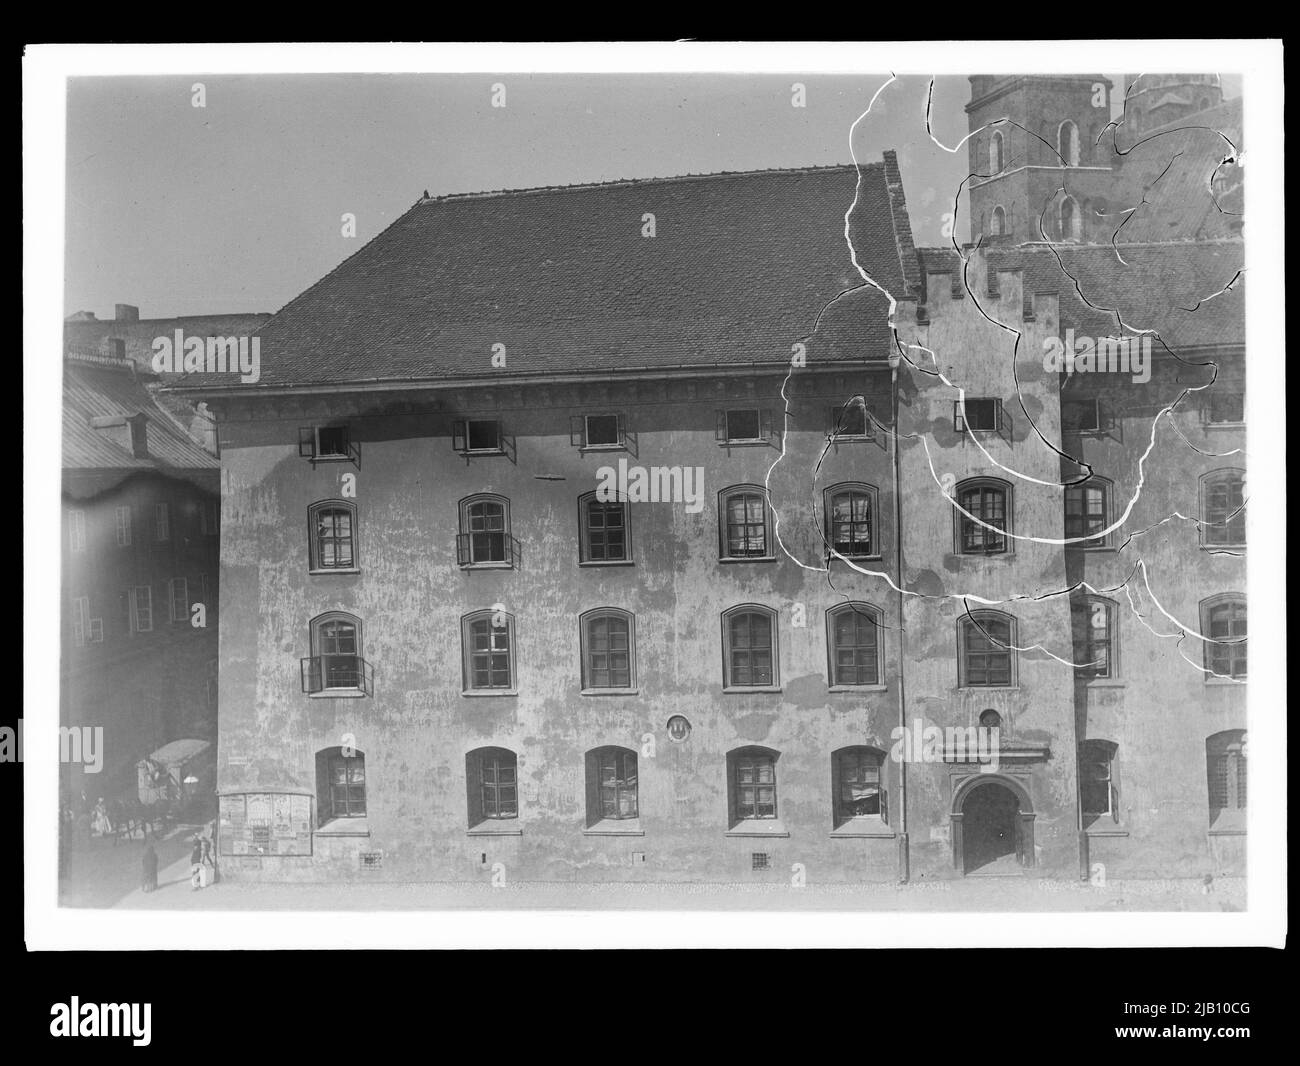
x=658 y=180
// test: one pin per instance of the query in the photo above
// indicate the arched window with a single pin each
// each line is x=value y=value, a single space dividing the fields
x=492 y=782
x=336 y=665
x=998 y=225
x=1069 y=220
x=751 y=781
x=1093 y=621
x=853 y=638
x=1067 y=143
x=608 y=639
x=996 y=153
x=488 y=649
x=983 y=516
x=1223 y=623
x=612 y=790
x=1087 y=512
x=858 y=785
x=749 y=648
x=851 y=520
x=1097 y=792
x=1135 y=116
x=745 y=522
x=340 y=784
x=1225 y=769
x=985 y=654
x=605 y=534
x=332 y=544
x=1223 y=509
x=484 y=538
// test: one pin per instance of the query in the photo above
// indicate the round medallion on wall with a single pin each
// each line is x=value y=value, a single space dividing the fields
x=678 y=728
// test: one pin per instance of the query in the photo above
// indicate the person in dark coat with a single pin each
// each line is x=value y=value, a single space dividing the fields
x=196 y=864
x=149 y=873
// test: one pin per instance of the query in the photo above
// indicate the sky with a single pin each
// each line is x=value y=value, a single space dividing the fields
x=237 y=206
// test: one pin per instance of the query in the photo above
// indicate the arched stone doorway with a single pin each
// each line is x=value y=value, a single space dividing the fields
x=992 y=826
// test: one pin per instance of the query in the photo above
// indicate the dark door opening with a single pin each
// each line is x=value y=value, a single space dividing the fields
x=990 y=816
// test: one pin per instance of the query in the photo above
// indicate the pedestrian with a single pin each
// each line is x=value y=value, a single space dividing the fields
x=197 y=877
x=208 y=858
x=100 y=822
x=149 y=874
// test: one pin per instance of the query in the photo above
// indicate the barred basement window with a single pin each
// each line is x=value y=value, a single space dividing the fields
x=1087 y=512
x=340 y=784
x=1225 y=767
x=488 y=644
x=752 y=784
x=1096 y=780
x=983 y=516
x=760 y=860
x=749 y=654
x=333 y=535
x=1093 y=623
x=851 y=520
x=604 y=530
x=608 y=638
x=1223 y=622
x=745 y=520
x=493 y=778
x=853 y=632
x=986 y=658
x=1223 y=509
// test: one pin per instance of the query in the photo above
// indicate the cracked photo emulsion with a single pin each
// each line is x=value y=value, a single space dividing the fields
x=634 y=491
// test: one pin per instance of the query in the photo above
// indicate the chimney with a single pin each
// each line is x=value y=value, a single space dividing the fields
x=125 y=313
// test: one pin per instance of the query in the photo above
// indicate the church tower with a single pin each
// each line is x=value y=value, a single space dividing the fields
x=1034 y=151
x=1155 y=100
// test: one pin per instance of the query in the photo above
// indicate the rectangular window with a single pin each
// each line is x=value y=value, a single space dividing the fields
x=162 y=522
x=856 y=650
x=141 y=601
x=755 y=786
x=499 y=788
x=1093 y=642
x=1095 y=781
x=603 y=431
x=750 y=650
x=618 y=787
x=849 y=422
x=983 y=415
x=489 y=656
x=605 y=525
x=178 y=593
x=76 y=531
x=1086 y=514
x=332 y=442
x=1225 y=651
x=746 y=526
x=609 y=652
x=1225 y=408
x=1081 y=416
x=986 y=658
x=80 y=620
x=859 y=785
x=123 y=517
x=208 y=518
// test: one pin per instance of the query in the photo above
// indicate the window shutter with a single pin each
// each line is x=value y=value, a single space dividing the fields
x=577 y=430
x=720 y=433
x=622 y=428
x=460 y=436
x=997 y=415
x=958 y=426
x=765 y=424
x=507 y=445
x=307 y=442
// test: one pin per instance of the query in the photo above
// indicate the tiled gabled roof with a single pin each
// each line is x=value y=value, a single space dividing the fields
x=739 y=268
x=105 y=394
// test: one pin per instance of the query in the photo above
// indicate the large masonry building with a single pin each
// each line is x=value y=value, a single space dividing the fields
x=624 y=532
